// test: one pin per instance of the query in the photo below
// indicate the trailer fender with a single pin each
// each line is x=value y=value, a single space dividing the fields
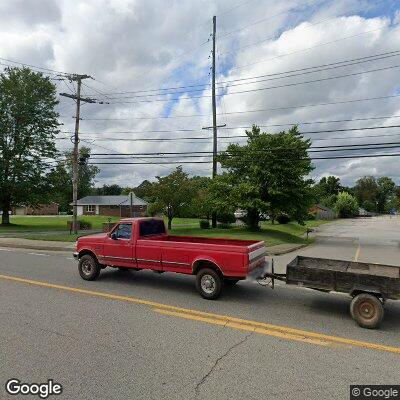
x=357 y=289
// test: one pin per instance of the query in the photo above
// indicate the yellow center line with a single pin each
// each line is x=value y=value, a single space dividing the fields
x=217 y=319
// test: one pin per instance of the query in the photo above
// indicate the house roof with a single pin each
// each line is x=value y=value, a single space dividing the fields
x=110 y=201
x=321 y=207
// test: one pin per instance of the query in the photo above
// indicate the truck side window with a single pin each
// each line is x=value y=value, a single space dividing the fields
x=151 y=227
x=124 y=231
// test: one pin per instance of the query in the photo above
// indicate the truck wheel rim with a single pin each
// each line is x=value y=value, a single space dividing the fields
x=366 y=310
x=208 y=284
x=86 y=267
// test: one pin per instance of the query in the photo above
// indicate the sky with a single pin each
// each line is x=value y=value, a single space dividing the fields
x=139 y=52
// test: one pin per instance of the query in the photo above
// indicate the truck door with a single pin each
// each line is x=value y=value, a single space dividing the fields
x=118 y=247
x=148 y=251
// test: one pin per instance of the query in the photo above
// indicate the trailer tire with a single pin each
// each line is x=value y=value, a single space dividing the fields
x=231 y=282
x=208 y=283
x=367 y=310
x=88 y=267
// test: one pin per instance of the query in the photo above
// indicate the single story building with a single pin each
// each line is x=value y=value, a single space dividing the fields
x=40 y=209
x=322 y=212
x=113 y=206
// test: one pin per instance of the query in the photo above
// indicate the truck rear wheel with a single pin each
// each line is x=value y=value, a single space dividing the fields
x=367 y=310
x=88 y=267
x=208 y=283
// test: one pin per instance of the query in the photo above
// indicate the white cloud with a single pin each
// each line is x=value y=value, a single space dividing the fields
x=136 y=45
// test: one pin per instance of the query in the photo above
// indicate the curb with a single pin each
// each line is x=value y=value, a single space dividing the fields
x=277 y=252
x=39 y=247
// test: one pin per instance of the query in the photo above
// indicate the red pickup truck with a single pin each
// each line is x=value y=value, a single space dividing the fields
x=143 y=243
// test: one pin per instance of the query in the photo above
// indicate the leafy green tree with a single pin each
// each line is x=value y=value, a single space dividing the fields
x=326 y=190
x=172 y=193
x=107 y=190
x=269 y=174
x=200 y=206
x=60 y=178
x=144 y=190
x=366 y=192
x=386 y=190
x=346 y=205
x=28 y=126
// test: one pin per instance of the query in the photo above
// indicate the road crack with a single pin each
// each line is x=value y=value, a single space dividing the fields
x=218 y=360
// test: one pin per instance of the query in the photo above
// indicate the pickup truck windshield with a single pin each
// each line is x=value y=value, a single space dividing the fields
x=151 y=227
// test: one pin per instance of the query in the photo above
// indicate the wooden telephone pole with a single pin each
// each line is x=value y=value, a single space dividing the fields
x=214 y=110
x=75 y=154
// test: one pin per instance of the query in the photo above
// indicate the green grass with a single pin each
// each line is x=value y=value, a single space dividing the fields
x=271 y=234
x=55 y=229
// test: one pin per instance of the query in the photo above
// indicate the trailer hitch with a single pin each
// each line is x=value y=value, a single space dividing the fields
x=268 y=278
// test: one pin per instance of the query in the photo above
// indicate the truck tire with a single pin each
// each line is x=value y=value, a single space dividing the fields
x=367 y=310
x=88 y=267
x=208 y=283
x=231 y=282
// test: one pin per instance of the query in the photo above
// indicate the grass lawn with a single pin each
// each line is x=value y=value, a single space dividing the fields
x=271 y=234
x=37 y=228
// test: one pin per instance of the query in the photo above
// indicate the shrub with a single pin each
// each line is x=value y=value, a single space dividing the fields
x=283 y=218
x=85 y=225
x=346 y=205
x=204 y=224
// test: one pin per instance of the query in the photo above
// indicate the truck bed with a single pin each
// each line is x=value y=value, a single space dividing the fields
x=344 y=276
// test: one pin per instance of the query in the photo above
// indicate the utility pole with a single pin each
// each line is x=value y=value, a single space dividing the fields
x=214 y=110
x=75 y=154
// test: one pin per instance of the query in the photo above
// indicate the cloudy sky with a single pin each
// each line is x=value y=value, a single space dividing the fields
x=278 y=63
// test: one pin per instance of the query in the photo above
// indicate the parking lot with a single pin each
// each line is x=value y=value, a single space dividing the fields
x=147 y=336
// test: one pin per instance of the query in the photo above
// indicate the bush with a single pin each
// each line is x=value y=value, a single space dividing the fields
x=204 y=224
x=346 y=205
x=283 y=218
x=223 y=225
x=85 y=225
x=226 y=218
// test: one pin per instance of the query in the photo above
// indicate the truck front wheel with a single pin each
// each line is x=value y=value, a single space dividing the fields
x=367 y=310
x=208 y=283
x=88 y=267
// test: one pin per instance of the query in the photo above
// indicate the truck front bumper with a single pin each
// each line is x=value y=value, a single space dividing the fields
x=259 y=271
x=76 y=255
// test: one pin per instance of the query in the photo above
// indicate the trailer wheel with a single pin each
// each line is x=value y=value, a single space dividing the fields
x=208 y=283
x=367 y=310
x=88 y=267
x=231 y=282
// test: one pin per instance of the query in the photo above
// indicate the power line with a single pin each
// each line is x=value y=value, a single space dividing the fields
x=355 y=147
x=247 y=127
x=273 y=76
x=238 y=136
x=248 y=111
x=208 y=162
x=305 y=49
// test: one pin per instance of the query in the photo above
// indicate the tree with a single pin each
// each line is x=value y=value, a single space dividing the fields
x=366 y=192
x=28 y=126
x=375 y=194
x=200 y=206
x=346 y=205
x=60 y=178
x=107 y=190
x=269 y=174
x=172 y=193
x=386 y=190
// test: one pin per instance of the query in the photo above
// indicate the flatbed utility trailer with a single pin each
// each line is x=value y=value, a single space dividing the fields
x=369 y=284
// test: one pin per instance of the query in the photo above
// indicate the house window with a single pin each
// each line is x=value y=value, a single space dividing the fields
x=90 y=208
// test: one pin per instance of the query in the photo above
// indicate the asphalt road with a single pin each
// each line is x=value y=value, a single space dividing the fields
x=120 y=338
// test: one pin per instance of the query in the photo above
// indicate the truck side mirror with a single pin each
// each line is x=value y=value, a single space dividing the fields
x=114 y=236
